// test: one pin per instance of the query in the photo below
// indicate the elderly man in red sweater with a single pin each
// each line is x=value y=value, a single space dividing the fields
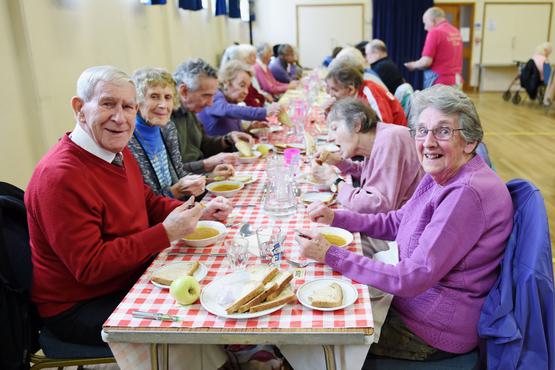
x=94 y=226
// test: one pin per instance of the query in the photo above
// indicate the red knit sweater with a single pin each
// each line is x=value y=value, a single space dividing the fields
x=390 y=108
x=93 y=226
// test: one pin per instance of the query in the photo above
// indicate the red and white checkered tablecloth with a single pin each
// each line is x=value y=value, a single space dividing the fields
x=146 y=297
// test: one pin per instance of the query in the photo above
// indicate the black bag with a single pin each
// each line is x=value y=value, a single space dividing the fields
x=530 y=79
x=18 y=317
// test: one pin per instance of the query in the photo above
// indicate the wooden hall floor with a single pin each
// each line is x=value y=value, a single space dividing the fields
x=521 y=143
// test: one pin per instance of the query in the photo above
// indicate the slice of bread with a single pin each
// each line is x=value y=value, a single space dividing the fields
x=282 y=280
x=322 y=157
x=165 y=275
x=244 y=148
x=327 y=297
x=250 y=290
x=268 y=289
x=262 y=273
x=284 y=297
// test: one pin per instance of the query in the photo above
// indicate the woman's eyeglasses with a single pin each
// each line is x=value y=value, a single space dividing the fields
x=440 y=133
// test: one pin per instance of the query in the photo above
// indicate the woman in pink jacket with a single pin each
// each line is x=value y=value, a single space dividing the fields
x=263 y=74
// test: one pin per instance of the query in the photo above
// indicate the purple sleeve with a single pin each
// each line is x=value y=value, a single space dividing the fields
x=381 y=225
x=279 y=73
x=222 y=108
x=444 y=242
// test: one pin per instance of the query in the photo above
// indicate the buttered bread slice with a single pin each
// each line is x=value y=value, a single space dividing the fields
x=165 y=275
x=327 y=297
x=284 y=297
x=262 y=273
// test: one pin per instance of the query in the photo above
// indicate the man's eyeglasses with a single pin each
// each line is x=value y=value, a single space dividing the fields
x=440 y=133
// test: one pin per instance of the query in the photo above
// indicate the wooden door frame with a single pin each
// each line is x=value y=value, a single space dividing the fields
x=466 y=84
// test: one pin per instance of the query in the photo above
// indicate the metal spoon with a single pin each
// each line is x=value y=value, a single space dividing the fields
x=245 y=230
x=300 y=264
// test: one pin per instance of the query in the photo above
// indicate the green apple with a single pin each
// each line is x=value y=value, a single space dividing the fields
x=185 y=290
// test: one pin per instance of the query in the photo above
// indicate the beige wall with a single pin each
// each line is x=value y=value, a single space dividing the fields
x=46 y=44
x=276 y=22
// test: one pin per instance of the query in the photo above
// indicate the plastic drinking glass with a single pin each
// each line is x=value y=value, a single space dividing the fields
x=237 y=253
x=270 y=240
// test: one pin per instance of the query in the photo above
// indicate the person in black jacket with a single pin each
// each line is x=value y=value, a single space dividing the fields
x=385 y=68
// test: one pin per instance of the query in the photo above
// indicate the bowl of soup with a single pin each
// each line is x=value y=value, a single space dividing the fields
x=225 y=188
x=206 y=233
x=336 y=236
x=249 y=158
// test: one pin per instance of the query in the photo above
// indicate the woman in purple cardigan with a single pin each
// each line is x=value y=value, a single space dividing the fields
x=225 y=115
x=451 y=236
x=390 y=171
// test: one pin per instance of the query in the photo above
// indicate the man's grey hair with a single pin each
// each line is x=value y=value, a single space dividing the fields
x=351 y=111
x=92 y=76
x=262 y=48
x=448 y=100
x=435 y=13
x=189 y=73
x=378 y=45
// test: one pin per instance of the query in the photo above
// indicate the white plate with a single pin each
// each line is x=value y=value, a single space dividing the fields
x=276 y=128
x=350 y=294
x=199 y=274
x=255 y=156
x=212 y=293
x=347 y=235
x=322 y=196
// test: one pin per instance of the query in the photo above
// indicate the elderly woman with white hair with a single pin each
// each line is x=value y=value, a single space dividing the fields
x=246 y=53
x=451 y=236
x=225 y=114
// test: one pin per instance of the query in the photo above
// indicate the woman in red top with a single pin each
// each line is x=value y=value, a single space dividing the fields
x=344 y=81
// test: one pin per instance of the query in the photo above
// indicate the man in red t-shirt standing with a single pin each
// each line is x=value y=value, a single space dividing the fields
x=442 y=54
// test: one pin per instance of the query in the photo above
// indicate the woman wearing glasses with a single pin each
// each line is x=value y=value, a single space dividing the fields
x=451 y=236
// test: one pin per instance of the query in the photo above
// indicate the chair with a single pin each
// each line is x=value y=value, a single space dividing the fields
x=15 y=273
x=482 y=151
x=404 y=93
x=518 y=316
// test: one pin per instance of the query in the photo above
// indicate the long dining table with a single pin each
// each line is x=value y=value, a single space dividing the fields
x=334 y=339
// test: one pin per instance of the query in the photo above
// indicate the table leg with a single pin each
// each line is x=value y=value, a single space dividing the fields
x=154 y=356
x=329 y=354
x=165 y=356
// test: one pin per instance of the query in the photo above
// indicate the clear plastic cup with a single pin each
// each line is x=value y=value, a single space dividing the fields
x=270 y=241
x=237 y=253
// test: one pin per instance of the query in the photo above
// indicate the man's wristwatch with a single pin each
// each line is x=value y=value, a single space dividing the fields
x=335 y=186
